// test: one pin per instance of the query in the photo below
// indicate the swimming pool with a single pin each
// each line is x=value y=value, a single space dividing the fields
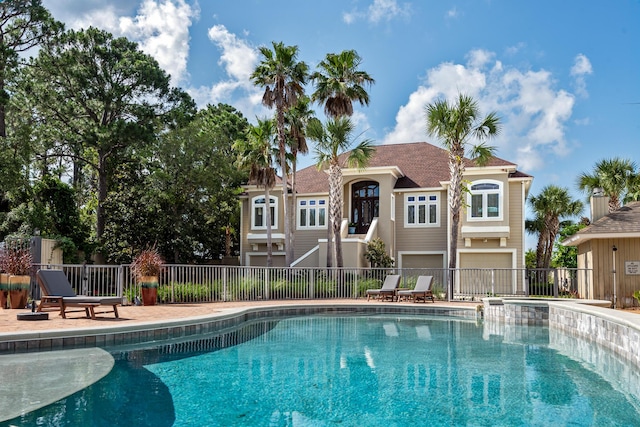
x=355 y=370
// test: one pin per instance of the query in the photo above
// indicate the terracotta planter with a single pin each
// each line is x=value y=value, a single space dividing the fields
x=149 y=285
x=4 y=289
x=19 y=290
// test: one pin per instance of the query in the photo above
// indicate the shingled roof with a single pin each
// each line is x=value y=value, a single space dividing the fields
x=625 y=222
x=423 y=166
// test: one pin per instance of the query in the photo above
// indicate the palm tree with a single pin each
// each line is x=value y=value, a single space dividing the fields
x=456 y=124
x=339 y=83
x=550 y=206
x=283 y=78
x=296 y=120
x=333 y=139
x=614 y=176
x=255 y=153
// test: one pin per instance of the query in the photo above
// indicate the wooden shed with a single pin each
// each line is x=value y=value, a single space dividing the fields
x=610 y=248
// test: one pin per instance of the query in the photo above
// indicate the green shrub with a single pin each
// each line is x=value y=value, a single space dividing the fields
x=365 y=284
x=325 y=288
x=130 y=294
x=187 y=292
x=439 y=291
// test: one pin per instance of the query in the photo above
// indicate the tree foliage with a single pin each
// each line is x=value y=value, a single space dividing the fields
x=99 y=98
x=183 y=199
x=333 y=139
x=339 y=82
x=24 y=24
x=283 y=77
x=457 y=124
x=567 y=256
x=616 y=177
x=256 y=156
x=550 y=207
x=377 y=255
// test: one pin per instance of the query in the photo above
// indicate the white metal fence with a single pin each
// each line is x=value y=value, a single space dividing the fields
x=215 y=283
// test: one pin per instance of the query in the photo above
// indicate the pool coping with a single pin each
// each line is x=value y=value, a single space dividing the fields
x=157 y=330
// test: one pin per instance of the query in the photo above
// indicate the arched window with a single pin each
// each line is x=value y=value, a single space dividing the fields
x=258 y=213
x=485 y=200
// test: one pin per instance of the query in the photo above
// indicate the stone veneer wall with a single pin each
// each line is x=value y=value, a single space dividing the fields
x=617 y=331
x=596 y=325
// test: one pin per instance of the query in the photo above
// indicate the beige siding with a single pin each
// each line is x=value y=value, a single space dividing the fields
x=506 y=202
x=598 y=255
x=516 y=222
x=513 y=214
x=422 y=261
x=305 y=240
x=428 y=239
x=486 y=260
x=261 y=260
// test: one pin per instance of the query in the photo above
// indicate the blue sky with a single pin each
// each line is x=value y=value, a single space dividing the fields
x=563 y=75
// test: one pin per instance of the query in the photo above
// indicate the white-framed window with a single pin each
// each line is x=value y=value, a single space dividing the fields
x=485 y=200
x=258 y=212
x=422 y=210
x=312 y=213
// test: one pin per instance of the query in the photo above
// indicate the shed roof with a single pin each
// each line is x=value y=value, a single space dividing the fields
x=625 y=222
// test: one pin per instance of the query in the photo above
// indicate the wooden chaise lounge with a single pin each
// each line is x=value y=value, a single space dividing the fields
x=422 y=290
x=388 y=289
x=57 y=293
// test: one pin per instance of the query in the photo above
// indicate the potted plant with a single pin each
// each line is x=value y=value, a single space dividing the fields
x=146 y=267
x=352 y=228
x=16 y=263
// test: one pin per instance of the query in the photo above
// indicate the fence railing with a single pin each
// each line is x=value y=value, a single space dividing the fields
x=215 y=283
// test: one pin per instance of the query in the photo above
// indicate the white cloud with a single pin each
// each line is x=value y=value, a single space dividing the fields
x=160 y=27
x=379 y=10
x=534 y=113
x=349 y=17
x=452 y=13
x=238 y=59
x=581 y=68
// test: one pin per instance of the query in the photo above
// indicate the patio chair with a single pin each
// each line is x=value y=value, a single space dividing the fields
x=422 y=290
x=388 y=289
x=57 y=293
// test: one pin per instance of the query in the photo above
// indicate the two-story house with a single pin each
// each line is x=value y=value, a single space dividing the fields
x=401 y=197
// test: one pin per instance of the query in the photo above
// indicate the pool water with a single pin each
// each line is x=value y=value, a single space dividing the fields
x=352 y=371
